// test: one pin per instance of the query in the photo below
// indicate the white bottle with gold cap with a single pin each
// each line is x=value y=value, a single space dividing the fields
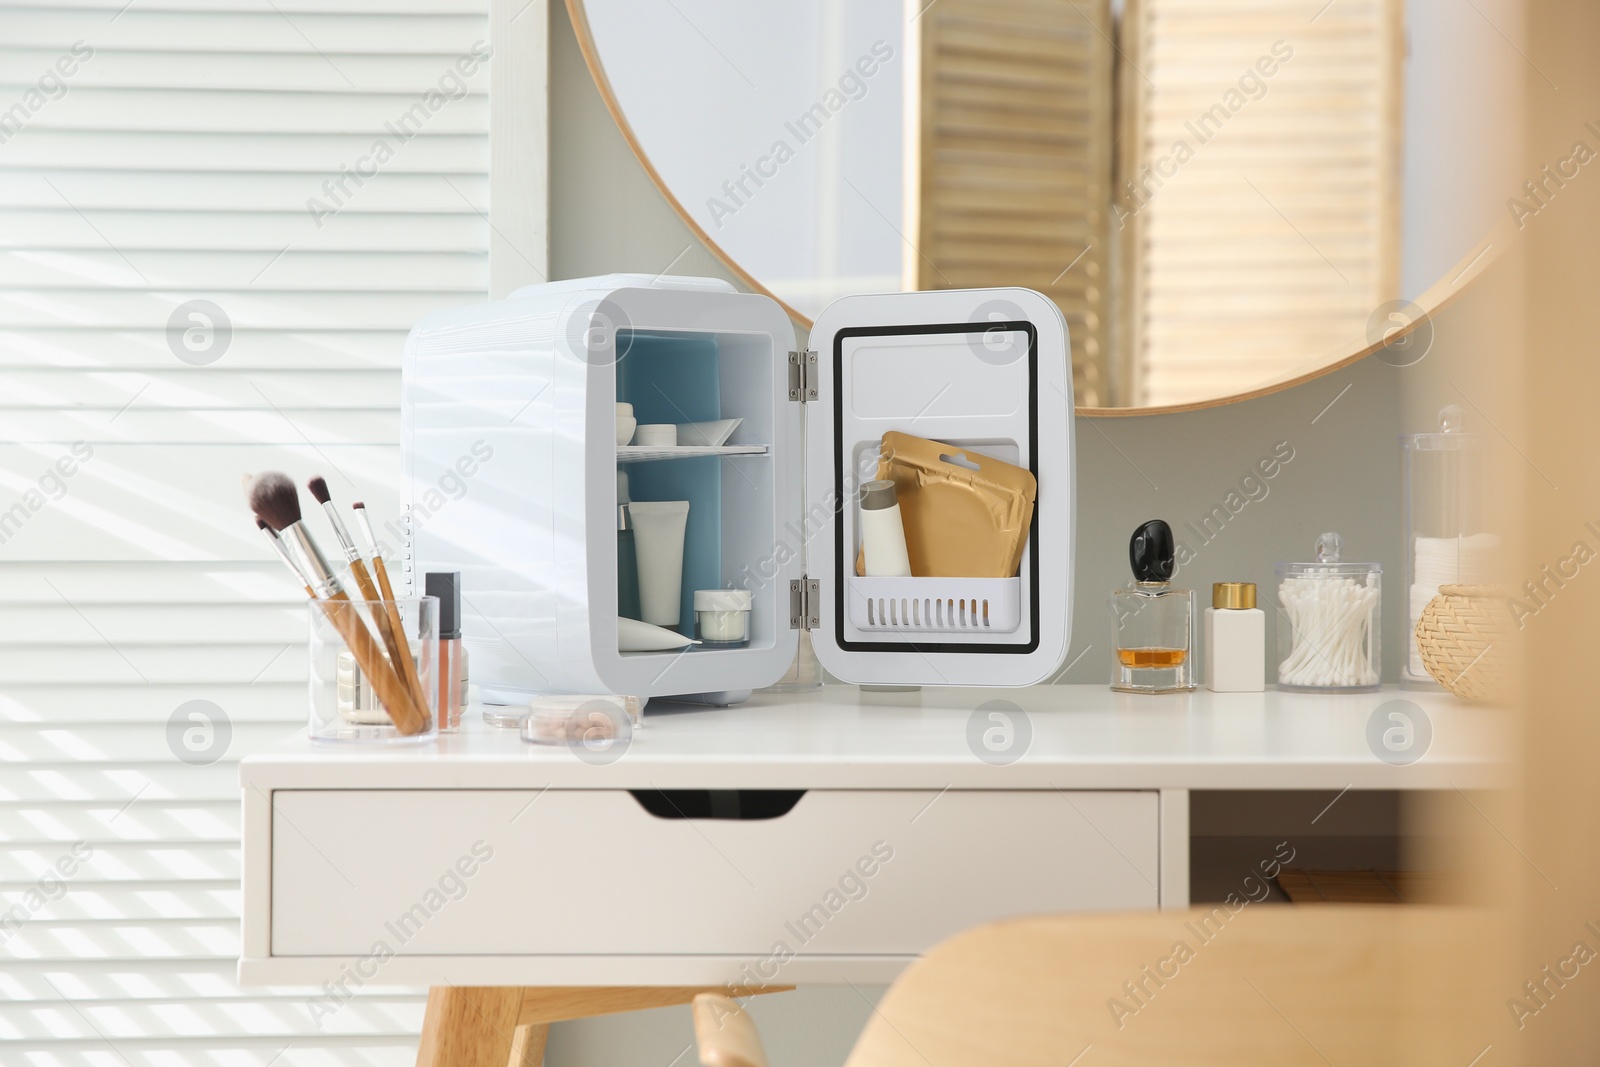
x=1236 y=640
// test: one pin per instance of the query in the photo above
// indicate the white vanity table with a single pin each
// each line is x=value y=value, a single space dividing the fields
x=480 y=860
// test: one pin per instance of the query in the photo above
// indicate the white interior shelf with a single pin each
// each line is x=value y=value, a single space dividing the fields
x=646 y=453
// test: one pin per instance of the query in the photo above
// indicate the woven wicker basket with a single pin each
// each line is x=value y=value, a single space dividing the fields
x=1464 y=640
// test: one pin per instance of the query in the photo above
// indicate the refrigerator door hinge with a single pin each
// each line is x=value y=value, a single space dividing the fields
x=803 y=603
x=802 y=376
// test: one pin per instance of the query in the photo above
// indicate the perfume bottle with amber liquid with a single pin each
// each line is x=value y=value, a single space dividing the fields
x=1155 y=621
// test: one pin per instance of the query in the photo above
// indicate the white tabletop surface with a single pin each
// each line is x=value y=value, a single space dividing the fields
x=838 y=737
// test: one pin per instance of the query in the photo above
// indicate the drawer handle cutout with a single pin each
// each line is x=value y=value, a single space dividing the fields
x=738 y=804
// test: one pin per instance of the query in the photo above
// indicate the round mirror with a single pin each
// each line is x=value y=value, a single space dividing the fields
x=1222 y=198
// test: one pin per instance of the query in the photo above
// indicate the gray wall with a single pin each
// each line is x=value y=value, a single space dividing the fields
x=1345 y=475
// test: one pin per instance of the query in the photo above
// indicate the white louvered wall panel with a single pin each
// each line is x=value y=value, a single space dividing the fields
x=1264 y=239
x=177 y=166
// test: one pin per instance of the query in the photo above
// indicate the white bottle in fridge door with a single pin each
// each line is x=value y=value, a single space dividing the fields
x=1236 y=640
x=883 y=535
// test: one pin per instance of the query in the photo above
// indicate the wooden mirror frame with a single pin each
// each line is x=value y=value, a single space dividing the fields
x=1438 y=295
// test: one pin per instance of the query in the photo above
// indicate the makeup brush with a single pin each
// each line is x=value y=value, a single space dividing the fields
x=283 y=554
x=390 y=626
x=381 y=573
x=276 y=502
x=379 y=569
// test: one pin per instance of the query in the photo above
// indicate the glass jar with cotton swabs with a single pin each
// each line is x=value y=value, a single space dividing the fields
x=1329 y=638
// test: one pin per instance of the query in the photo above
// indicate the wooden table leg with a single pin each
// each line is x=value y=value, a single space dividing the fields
x=470 y=1026
x=506 y=1026
x=527 y=1045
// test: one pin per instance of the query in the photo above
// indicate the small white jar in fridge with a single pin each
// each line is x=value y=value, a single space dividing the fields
x=722 y=617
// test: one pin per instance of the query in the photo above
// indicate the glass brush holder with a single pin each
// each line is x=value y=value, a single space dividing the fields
x=358 y=692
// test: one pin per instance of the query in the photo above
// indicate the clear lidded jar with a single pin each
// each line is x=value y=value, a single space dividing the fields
x=1329 y=614
x=598 y=728
x=1448 y=540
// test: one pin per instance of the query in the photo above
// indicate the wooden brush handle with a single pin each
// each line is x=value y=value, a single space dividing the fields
x=364 y=580
x=407 y=667
x=382 y=571
x=391 y=691
x=393 y=631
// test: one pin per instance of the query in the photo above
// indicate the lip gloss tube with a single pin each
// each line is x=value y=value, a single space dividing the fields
x=446 y=585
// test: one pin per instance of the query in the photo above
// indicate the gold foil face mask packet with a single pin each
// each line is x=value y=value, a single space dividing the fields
x=966 y=515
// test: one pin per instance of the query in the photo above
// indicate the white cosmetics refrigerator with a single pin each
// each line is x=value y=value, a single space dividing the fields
x=510 y=477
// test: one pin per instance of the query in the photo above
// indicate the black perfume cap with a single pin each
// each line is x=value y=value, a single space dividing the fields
x=1152 y=553
x=446 y=585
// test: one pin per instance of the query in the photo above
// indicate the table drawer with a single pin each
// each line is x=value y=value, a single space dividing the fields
x=581 y=872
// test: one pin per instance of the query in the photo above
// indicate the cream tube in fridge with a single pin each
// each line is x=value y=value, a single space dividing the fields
x=883 y=536
x=658 y=527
